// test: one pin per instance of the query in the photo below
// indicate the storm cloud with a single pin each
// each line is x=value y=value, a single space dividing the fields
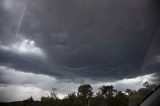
x=79 y=40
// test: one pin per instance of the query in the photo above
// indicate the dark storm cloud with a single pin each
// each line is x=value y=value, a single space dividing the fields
x=152 y=59
x=97 y=39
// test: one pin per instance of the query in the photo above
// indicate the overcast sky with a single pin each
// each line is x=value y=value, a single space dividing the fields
x=65 y=43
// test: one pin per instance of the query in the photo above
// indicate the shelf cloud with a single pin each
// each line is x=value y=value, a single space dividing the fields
x=77 y=41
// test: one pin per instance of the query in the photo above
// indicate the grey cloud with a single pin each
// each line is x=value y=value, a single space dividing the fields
x=98 y=40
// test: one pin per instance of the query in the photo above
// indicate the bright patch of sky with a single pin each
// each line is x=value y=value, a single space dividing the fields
x=24 y=46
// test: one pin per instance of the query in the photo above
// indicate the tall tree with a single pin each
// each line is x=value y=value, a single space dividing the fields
x=107 y=91
x=85 y=92
x=53 y=93
x=120 y=99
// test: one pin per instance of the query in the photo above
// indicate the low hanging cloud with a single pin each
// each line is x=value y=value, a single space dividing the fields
x=97 y=40
x=67 y=43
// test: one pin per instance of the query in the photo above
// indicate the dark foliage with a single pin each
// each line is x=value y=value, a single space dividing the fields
x=107 y=96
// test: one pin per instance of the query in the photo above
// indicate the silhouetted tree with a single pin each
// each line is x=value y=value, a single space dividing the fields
x=85 y=92
x=141 y=93
x=53 y=93
x=107 y=91
x=52 y=98
x=121 y=99
x=30 y=99
x=107 y=96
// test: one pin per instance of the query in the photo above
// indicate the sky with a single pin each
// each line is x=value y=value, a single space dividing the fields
x=62 y=44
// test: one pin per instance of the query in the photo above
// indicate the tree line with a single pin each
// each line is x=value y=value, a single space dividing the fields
x=107 y=96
